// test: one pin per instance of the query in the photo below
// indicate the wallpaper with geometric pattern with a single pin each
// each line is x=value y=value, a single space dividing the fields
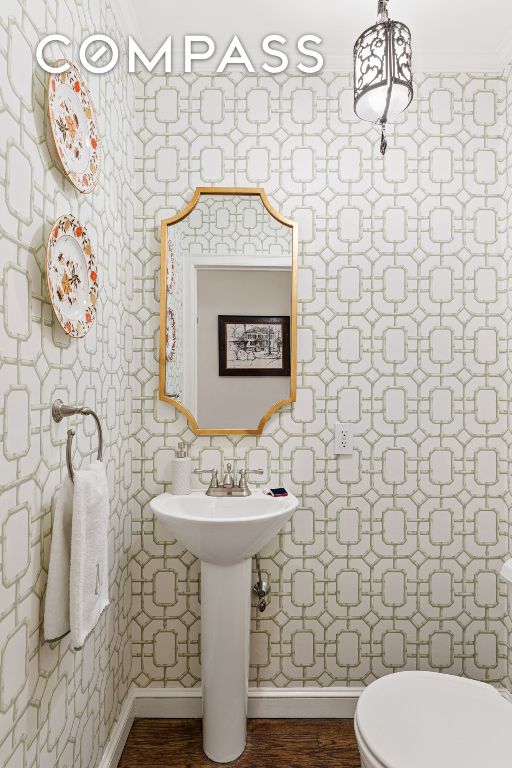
x=391 y=560
x=57 y=707
x=508 y=316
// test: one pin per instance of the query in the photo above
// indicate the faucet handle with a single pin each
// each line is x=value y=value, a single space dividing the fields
x=243 y=476
x=214 y=482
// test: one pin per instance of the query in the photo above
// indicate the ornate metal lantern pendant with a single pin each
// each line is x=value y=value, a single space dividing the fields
x=382 y=71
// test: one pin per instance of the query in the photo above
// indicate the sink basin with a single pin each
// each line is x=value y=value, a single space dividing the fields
x=223 y=531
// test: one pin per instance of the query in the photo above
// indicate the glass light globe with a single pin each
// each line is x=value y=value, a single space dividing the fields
x=372 y=104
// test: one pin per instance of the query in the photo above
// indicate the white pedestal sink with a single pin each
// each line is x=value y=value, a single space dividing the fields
x=224 y=533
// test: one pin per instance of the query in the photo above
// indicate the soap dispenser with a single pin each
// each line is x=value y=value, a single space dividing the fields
x=182 y=471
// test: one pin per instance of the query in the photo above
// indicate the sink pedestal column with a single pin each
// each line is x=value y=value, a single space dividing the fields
x=225 y=633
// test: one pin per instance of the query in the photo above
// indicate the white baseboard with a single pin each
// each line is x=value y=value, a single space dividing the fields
x=117 y=739
x=168 y=702
x=337 y=703
x=263 y=702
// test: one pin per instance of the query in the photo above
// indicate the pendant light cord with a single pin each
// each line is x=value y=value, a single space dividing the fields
x=383 y=18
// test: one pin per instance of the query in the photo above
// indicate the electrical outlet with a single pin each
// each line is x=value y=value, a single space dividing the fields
x=343 y=439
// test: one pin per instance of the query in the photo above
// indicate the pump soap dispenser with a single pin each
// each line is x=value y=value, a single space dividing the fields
x=182 y=471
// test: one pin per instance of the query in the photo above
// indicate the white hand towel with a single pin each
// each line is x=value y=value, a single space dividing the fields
x=89 y=552
x=56 y=608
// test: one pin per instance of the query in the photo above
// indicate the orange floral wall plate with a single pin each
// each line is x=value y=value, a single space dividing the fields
x=72 y=276
x=74 y=127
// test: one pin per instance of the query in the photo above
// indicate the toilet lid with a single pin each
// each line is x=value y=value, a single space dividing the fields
x=425 y=719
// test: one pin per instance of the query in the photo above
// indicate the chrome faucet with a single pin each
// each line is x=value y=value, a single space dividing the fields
x=228 y=487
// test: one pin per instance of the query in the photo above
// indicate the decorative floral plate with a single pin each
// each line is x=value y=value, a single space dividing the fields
x=74 y=126
x=72 y=276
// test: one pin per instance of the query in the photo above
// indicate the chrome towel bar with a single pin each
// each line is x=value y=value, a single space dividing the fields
x=59 y=411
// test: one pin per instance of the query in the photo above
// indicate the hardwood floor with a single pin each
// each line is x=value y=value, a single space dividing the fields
x=270 y=744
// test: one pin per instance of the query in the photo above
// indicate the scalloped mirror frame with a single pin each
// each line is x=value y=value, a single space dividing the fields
x=240 y=191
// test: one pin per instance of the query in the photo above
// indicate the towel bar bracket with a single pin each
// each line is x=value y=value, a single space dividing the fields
x=59 y=411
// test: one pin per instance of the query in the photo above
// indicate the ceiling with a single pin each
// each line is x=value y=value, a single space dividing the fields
x=448 y=35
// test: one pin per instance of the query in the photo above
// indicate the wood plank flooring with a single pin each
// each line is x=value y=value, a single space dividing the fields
x=270 y=744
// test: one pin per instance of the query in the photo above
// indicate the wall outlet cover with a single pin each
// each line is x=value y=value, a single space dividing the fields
x=343 y=439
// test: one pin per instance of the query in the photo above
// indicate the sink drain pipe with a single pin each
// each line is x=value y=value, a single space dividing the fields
x=262 y=588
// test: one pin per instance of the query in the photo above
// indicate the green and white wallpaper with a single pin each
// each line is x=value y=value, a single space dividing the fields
x=57 y=707
x=391 y=561
x=508 y=317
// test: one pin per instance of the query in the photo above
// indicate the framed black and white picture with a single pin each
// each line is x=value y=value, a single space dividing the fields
x=254 y=345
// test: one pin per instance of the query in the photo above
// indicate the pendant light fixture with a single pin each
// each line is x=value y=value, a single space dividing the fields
x=382 y=71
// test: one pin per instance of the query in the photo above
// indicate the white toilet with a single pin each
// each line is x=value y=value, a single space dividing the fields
x=430 y=720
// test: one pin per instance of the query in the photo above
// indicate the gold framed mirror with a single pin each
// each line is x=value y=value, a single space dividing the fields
x=228 y=311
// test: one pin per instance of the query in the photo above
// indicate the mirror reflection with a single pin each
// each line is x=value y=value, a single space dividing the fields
x=228 y=311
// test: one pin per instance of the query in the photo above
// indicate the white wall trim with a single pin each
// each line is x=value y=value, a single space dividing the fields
x=303 y=702
x=115 y=744
x=263 y=702
x=168 y=702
